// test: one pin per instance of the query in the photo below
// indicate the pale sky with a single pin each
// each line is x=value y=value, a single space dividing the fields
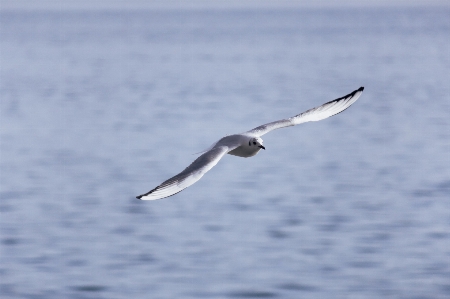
x=199 y=4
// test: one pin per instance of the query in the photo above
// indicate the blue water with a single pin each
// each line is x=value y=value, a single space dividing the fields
x=98 y=107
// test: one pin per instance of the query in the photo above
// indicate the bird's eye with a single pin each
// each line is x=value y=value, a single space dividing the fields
x=254 y=143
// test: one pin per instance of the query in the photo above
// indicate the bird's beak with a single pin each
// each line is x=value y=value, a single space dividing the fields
x=262 y=147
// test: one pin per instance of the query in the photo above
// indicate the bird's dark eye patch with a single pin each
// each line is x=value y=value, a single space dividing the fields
x=254 y=143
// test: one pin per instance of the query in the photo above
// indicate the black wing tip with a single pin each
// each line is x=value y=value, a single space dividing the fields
x=145 y=194
x=352 y=94
x=361 y=89
x=347 y=97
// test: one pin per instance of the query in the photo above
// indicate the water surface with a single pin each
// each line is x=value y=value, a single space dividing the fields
x=97 y=108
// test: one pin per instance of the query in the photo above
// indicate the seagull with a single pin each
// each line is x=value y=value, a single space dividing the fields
x=244 y=145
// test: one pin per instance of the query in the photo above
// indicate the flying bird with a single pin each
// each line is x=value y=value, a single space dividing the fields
x=244 y=145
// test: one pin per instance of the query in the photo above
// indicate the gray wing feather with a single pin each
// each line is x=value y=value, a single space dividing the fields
x=263 y=129
x=189 y=176
x=315 y=114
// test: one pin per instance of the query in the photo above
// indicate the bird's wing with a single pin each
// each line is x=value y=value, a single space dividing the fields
x=318 y=113
x=189 y=176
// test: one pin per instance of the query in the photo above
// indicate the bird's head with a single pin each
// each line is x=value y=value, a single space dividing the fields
x=256 y=142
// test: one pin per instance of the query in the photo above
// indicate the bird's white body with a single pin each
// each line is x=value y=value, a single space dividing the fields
x=244 y=145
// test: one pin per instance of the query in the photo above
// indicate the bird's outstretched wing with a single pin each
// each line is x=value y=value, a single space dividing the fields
x=326 y=110
x=189 y=176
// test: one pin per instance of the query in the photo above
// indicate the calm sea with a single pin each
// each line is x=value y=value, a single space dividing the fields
x=98 y=107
